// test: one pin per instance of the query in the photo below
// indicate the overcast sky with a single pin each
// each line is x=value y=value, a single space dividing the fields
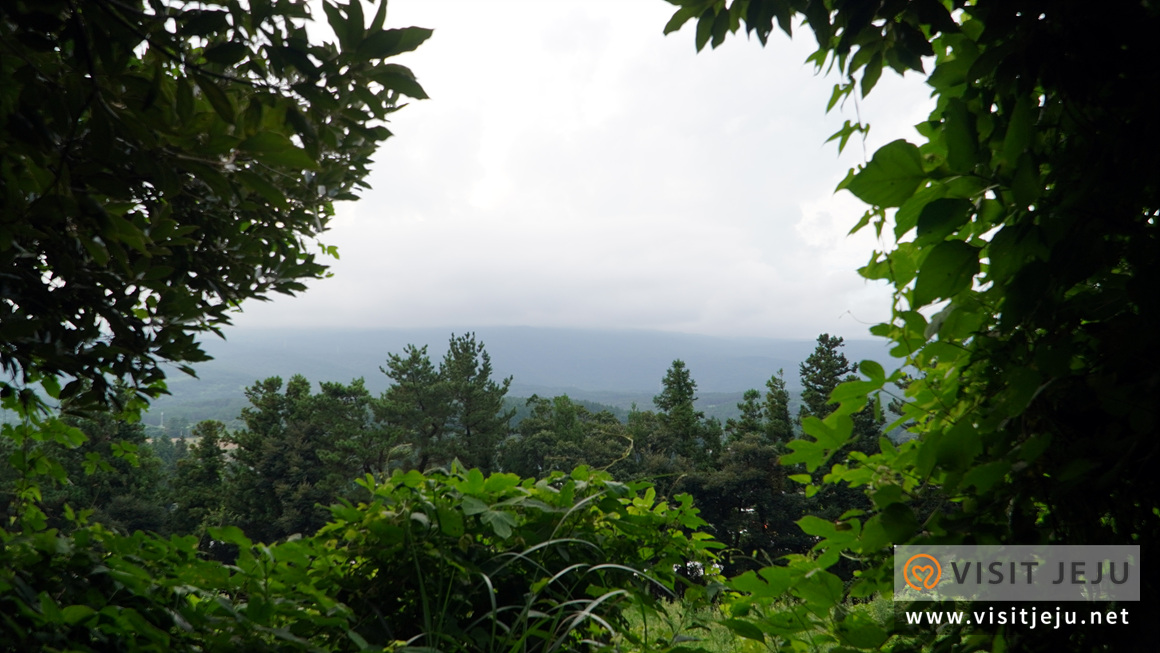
x=576 y=168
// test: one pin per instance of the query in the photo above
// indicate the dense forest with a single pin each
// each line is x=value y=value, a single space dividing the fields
x=163 y=163
x=303 y=449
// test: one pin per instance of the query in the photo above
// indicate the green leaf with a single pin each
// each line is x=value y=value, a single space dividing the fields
x=501 y=522
x=985 y=476
x=855 y=390
x=48 y=608
x=276 y=149
x=844 y=134
x=893 y=174
x=962 y=140
x=940 y=218
x=356 y=22
x=906 y=218
x=226 y=54
x=229 y=535
x=705 y=28
x=744 y=629
x=860 y=631
x=473 y=484
x=816 y=526
x=885 y=495
x=391 y=42
x=380 y=18
x=1022 y=384
x=75 y=614
x=473 y=506
x=872 y=369
x=871 y=73
x=948 y=270
x=840 y=91
x=337 y=23
x=682 y=16
x=829 y=436
x=264 y=188
x=498 y=483
x=451 y=521
x=1020 y=127
x=820 y=588
x=895 y=524
x=217 y=98
x=720 y=28
x=1025 y=185
x=811 y=454
x=394 y=77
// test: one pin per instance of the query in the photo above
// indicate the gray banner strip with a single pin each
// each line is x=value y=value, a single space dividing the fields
x=1017 y=573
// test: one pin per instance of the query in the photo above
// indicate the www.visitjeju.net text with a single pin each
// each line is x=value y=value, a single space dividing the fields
x=1029 y=617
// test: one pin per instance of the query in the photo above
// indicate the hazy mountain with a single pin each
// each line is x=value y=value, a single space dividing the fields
x=610 y=367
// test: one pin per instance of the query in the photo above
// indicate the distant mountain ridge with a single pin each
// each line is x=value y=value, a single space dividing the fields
x=611 y=367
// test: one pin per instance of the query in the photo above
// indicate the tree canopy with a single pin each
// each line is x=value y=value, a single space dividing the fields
x=1024 y=267
x=162 y=162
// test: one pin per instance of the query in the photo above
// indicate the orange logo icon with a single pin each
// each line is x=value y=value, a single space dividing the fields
x=922 y=571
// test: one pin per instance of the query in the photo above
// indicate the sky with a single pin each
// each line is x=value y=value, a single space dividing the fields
x=576 y=168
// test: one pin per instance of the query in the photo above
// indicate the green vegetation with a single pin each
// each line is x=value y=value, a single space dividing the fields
x=162 y=163
x=189 y=154
x=1024 y=268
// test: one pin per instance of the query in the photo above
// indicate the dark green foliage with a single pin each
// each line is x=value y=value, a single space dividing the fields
x=113 y=475
x=96 y=590
x=454 y=412
x=746 y=495
x=560 y=435
x=684 y=430
x=1030 y=208
x=778 y=425
x=494 y=562
x=198 y=490
x=299 y=453
x=751 y=420
x=825 y=368
x=169 y=451
x=477 y=421
x=821 y=373
x=766 y=417
x=749 y=503
x=160 y=163
x=416 y=406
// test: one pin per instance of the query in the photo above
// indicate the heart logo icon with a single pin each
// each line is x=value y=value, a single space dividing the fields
x=922 y=572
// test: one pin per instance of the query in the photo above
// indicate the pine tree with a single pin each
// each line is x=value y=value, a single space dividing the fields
x=778 y=425
x=684 y=430
x=278 y=484
x=751 y=420
x=455 y=411
x=560 y=435
x=478 y=421
x=415 y=407
x=198 y=486
x=821 y=372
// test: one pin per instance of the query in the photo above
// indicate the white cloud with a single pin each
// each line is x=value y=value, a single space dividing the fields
x=576 y=168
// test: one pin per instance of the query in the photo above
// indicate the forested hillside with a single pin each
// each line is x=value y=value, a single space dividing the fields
x=163 y=164
x=616 y=368
x=301 y=446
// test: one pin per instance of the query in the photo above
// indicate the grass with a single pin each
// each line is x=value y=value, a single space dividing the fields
x=680 y=623
x=677 y=623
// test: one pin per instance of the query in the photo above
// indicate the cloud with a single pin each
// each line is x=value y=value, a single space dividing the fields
x=576 y=168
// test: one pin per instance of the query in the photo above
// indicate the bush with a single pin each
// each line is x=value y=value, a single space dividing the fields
x=459 y=561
